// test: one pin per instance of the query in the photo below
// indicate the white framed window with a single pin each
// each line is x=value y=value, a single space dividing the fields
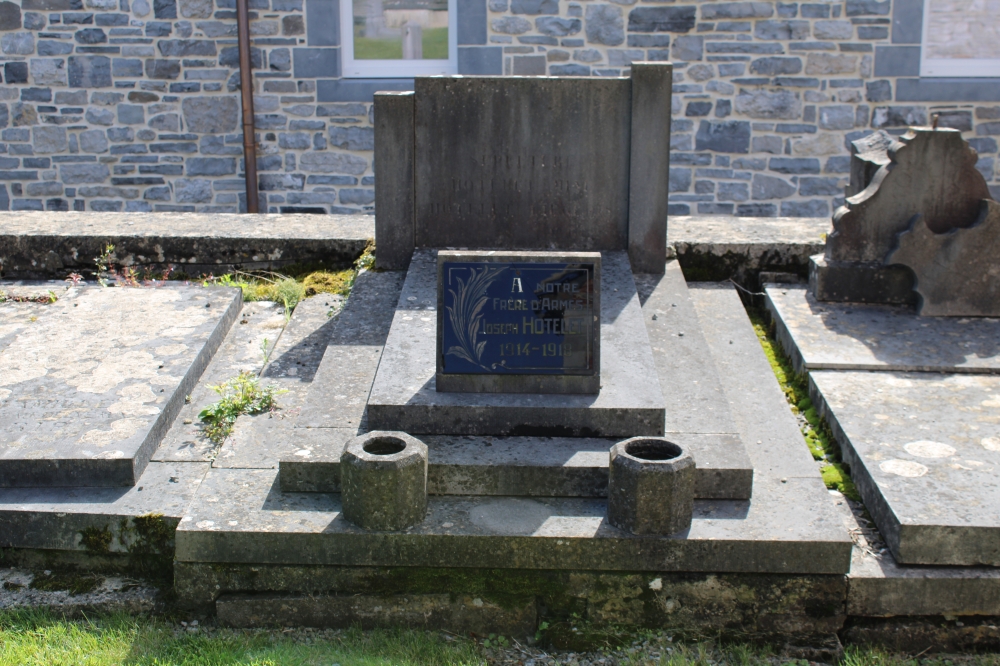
x=398 y=38
x=961 y=38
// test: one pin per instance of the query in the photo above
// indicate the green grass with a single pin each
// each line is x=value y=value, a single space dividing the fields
x=434 y=40
x=816 y=432
x=38 y=637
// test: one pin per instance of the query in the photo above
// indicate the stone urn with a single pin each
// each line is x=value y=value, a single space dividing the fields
x=383 y=480
x=650 y=486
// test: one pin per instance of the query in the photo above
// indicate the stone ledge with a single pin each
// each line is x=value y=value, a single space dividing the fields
x=45 y=245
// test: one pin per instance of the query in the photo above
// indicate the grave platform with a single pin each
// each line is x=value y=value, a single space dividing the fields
x=824 y=335
x=404 y=396
x=90 y=387
x=246 y=534
x=914 y=403
x=924 y=451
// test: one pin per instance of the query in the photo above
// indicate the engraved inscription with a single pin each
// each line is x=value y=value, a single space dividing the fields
x=502 y=185
x=518 y=318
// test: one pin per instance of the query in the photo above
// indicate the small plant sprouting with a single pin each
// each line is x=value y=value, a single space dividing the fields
x=242 y=394
x=108 y=275
x=74 y=279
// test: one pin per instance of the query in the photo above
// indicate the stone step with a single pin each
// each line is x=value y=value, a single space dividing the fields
x=520 y=466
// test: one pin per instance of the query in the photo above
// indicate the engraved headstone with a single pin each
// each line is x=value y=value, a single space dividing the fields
x=519 y=323
x=532 y=163
x=931 y=173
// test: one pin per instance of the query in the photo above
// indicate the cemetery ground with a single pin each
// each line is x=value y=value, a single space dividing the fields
x=129 y=614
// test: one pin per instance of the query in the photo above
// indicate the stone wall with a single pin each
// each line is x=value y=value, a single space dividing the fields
x=133 y=105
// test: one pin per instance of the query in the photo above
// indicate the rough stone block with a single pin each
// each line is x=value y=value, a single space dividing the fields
x=211 y=115
x=384 y=481
x=650 y=486
x=89 y=72
x=605 y=25
x=726 y=136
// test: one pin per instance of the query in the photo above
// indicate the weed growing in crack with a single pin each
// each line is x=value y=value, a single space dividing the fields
x=128 y=276
x=243 y=394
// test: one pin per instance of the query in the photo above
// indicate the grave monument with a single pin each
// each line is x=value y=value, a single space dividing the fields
x=909 y=392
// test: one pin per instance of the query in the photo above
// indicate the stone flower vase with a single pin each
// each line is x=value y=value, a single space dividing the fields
x=383 y=479
x=650 y=486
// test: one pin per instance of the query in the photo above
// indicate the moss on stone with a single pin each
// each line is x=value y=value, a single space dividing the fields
x=74 y=583
x=151 y=534
x=96 y=540
x=816 y=431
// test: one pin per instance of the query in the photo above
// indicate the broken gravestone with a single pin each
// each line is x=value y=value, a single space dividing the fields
x=957 y=273
x=926 y=172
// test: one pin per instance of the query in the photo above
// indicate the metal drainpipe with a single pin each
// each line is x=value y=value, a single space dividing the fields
x=246 y=88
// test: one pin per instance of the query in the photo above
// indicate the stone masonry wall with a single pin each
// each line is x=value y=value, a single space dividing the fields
x=133 y=105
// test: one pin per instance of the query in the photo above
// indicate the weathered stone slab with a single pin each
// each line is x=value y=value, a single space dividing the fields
x=90 y=389
x=880 y=587
x=527 y=322
x=923 y=451
x=497 y=168
x=836 y=336
x=437 y=612
x=763 y=418
x=649 y=165
x=723 y=247
x=240 y=516
x=691 y=385
x=37 y=244
x=931 y=173
x=521 y=466
x=242 y=350
x=339 y=392
x=403 y=396
x=957 y=273
x=394 y=155
x=57 y=518
x=860 y=282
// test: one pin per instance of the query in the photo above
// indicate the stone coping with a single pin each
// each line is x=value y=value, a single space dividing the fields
x=187 y=225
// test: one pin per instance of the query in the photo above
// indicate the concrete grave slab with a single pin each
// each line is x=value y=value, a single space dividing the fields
x=339 y=391
x=403 y=396
x=56 y=518
x=763 y=419
x=241 y=516
x=252 y=521
x=878 y=586
x=835 y=336
x=496 y=168
x=521 y=466
x=691 y=385
x=924 y=450
x=242 y=350
x=90 y=389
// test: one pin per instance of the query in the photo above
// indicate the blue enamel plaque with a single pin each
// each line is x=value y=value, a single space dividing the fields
x=535 y=316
